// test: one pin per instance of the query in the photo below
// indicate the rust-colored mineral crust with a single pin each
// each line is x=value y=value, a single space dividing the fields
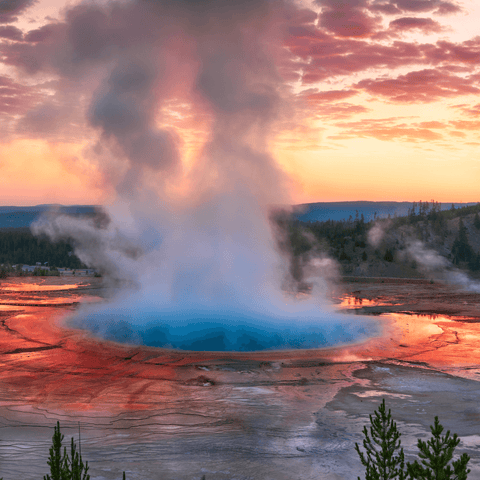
x=284 y=414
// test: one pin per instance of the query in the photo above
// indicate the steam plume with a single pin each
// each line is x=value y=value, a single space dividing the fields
x=206 y=270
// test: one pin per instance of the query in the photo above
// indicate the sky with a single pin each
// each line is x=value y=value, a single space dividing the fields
x=379 y=99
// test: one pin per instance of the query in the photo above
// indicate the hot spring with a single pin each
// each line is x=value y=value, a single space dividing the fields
x=138 y=319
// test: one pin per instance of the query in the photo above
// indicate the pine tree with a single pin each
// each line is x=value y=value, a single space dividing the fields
x=436 y=455
x=383 y=458
x=476 y=221
x=63 y=467
x=461 y=249
x=57 y=462
x=77 y=470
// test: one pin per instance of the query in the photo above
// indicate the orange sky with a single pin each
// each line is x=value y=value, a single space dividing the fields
x=381 y=103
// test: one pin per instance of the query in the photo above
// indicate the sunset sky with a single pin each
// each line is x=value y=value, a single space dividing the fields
x=380 y=98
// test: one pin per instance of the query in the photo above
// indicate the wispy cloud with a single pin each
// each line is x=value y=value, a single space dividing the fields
x=423 y=86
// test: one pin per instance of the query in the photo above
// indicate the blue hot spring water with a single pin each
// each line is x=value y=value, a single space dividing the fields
x=224 y=329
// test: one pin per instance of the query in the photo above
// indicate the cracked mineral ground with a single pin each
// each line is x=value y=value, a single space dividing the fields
x=278 y=415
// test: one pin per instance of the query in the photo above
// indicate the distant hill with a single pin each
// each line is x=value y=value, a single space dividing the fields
x=322 y=211
x=23 y=217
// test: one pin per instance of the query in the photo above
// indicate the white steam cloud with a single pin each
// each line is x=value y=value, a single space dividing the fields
x=206 y=270
x=377 y=232
x=429 y=261
x=439 y=267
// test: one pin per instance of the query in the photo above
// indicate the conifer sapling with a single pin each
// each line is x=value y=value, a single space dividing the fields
x=383 y=458
x=436 y=456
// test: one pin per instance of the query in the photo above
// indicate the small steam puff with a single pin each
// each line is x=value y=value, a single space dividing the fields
x=205 y=272
x=429 y=261
x=377 y=232
x=439 y=267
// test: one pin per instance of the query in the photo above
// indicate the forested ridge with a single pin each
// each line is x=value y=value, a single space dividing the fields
x=21 y=247
x=453 y=234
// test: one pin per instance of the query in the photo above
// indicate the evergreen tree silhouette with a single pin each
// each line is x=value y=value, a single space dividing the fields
x=383 y=458
x=77 y=469
x=63 y=467
x=461 y=249
x=436 y=456
x=57 y=461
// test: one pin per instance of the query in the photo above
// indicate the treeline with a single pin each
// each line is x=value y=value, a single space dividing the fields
x=338 y=238
x=430 y=212
x=21 y=247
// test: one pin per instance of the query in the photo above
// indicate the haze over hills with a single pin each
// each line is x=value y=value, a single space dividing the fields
x=322 y=211
x=23 y=217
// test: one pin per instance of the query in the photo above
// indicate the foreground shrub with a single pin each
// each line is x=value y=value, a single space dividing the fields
x=384 y=458
x=436 y=455
x=63 y=466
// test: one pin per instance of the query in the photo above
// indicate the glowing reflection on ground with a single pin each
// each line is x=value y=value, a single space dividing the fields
x=351 y=301
x=48 y=361
x=35 y=287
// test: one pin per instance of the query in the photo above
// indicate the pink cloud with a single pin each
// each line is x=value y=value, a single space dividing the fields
x=327 y=56
x=419 y=86
x=10 y=9
x=16 y=98
x=466 y=124
x=331 y=95
x=387 y=129
x=431 y=124
x=419 y=6
x=331 y=58
x=385 y=8
x=347 y=18
x=341 y=110
x=11 y=33
x=426 y=25
x=40 y=34
x=348 y=24
x=466 y=52
x=328 y=104
x=471 y=110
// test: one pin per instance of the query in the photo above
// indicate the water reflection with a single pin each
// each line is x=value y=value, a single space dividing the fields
x=352 y=301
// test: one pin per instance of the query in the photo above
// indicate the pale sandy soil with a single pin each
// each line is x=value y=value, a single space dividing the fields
x=168 y=415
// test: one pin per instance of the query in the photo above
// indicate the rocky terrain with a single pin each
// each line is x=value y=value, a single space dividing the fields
x=269 y=415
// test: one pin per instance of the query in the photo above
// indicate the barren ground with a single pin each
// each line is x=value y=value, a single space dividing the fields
x=167 y=415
